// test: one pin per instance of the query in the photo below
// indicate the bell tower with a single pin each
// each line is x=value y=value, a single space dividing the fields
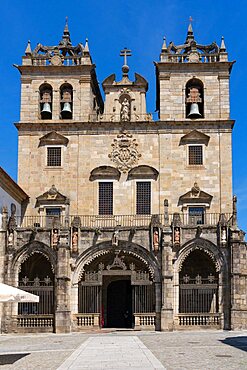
x=193 y=102
x=59 y=95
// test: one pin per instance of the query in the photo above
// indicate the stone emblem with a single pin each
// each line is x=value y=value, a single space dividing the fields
x=194 y=57
x=56 y=60
x=124 y=152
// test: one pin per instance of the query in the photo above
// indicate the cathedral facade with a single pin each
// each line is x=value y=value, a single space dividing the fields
x=131 y=222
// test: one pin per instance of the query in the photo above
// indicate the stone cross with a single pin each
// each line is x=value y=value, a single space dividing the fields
x=125 y=53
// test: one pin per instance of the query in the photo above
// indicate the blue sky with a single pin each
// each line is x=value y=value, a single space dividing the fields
x=111 y=25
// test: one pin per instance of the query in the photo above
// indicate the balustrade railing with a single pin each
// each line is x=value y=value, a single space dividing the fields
x=112 y=221
x=35 y=321
x=204 y=319
x=184 y=58
x=43 y=60
x=145 y=321
x=87 y=320
x=115 y=117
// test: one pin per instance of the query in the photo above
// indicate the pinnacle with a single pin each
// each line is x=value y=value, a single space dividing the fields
x=28 y=48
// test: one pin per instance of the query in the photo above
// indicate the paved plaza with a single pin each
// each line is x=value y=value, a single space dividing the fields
x=116 y=349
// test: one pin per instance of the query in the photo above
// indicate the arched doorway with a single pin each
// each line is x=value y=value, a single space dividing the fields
x=199 y=290
x=36 y=276
x=117 y=287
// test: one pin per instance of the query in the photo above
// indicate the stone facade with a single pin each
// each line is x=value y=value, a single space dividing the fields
x=122 y=203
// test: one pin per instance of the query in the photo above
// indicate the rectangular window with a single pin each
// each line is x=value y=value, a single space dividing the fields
x=53 y=211
x=105 y=198
x=196 y=215
x=54 y=156
x=52 y=215
x=143 y=198
x=195 y=155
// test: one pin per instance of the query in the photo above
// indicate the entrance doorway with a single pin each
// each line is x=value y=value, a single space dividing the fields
x=119 y=304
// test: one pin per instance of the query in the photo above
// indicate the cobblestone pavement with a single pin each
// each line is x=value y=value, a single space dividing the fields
x=205 y=350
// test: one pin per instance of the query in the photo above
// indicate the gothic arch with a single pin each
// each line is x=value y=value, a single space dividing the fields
x=205 y=246
x=28 y=250
x=126 y=247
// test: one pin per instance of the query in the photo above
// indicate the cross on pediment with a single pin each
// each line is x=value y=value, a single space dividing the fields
x=125 y=53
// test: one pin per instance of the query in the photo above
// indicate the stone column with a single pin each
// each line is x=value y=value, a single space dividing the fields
x=63 y=313
x=167 y=282
x=238 y=307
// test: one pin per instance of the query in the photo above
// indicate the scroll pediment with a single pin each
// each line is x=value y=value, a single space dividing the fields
x=105 y=173
x=194 y=137
x=52 y=196
x=143 y=172
x=195 y=195
x=53 y=138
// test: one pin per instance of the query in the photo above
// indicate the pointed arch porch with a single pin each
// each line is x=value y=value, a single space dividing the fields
x=104 y=264
x=201 y=257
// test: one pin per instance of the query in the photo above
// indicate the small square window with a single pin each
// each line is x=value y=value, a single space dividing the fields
x=54 y=157
x=195 y=155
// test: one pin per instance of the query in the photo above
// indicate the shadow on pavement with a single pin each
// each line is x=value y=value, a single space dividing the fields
x=11 y=358
x=237 y=342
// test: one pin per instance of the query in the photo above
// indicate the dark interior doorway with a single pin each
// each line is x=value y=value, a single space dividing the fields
x=119 y=304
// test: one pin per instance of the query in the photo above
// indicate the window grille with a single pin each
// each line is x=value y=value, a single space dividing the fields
x=53 y=211
x=105 y=198
x=143 y=198
x=54 y=156
x=195 y=155
x=196 y=215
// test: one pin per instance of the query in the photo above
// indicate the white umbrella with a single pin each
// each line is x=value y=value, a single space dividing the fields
x=10 y=294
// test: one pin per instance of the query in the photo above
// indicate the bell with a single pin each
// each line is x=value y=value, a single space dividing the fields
x=194 y=111
x=66 y=111
x=46 y=111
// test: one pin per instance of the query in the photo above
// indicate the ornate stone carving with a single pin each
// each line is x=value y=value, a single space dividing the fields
x=124 y=152
x=117 y=262
x=194 y=57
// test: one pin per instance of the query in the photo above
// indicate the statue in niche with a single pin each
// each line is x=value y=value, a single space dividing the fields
x=177 y=235
x=125 y=110
x=156 y=240
x=223 y=235
x=55 y=237
x=75 y=241
x=11 y=238
x=115 y=238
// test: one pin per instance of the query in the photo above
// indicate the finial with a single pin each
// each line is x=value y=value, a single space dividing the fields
x=164 y=47
x=28 y=50
x=86 y=48
x=222 y=45
x=66 y=34
x=66 y=27
x=190 y=34
x=125 y=53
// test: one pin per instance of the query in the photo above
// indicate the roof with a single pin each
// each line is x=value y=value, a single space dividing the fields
x=11 y=187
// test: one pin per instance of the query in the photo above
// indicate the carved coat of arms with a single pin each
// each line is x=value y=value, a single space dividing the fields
x=124 y=152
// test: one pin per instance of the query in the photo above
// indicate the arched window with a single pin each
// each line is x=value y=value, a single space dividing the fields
x=66 y=101
x=194 y=100
x=45 y=92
